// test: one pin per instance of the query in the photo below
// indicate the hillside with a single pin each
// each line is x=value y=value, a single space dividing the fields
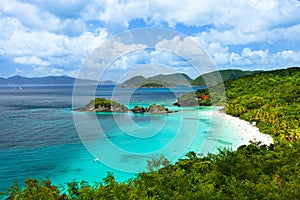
x=271 y=99
x=173 y=79
x=19 y=80
x=134 y=80
x=226 y=75
x=164 y=80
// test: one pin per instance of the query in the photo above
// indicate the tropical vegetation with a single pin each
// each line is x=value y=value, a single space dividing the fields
x=219 y=76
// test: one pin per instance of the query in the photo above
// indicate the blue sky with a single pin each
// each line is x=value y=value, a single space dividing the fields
x=46 y=37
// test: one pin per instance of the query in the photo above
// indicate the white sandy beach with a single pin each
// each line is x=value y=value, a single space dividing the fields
x=248 y=132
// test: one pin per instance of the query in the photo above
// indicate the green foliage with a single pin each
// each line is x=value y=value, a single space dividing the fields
x=134 y=80
x=216 y=77
x=271 y=99
x=105 y=105
x=155 y=163
x=152 y=83
x=199 y=98
x=102 y=102
x=35 y=189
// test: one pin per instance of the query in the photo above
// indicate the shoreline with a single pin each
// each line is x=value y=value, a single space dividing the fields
x=246 y=131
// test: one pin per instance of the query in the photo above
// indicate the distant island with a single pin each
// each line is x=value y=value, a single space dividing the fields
x=171 y=80
x=51 y=80
x=158 y=81
x=54 y=80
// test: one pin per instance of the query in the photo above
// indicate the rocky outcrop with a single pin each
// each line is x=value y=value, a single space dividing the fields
x=199 y=98
x=188 y=99
x=139 y=109
x=153 y=109
x=158 y=109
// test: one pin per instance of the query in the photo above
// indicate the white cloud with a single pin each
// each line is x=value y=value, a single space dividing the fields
x=18 y=71
x=232 y=22
x=51 y=46
x=189 y=50
x=56 y=34
x=288 y=55
x=63 y=9
x=110 y=55
x=252 y=59
x=121 y=13
x=49 y=71
x=29 y=15
x=32 y=60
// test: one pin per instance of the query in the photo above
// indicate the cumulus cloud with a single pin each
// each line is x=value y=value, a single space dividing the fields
x=118 y=14
x=252 y=59
x=31 y=60
x=58 y=36
x=110 y=55
x=189 y=50
x=64 y=9
x=29 y=15
x=232 y=23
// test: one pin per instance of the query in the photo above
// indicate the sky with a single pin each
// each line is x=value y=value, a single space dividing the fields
x=46 y=37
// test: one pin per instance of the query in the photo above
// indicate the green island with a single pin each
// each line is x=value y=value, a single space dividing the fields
x=271 y=99
x=106 y=105
x=103 y=105
x=151 y=84
x=158 y=81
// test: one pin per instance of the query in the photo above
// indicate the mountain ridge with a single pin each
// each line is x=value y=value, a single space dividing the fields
x=226 y=74
x=163 y=79
x=20 y=80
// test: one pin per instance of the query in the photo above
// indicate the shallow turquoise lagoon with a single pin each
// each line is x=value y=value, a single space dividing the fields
x=42 y=137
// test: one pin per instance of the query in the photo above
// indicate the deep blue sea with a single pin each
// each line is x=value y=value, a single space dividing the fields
x=41 y=136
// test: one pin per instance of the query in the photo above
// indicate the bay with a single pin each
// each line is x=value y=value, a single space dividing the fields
x=40 y=138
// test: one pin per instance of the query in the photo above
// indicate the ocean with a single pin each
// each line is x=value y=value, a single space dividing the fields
x=42 y=137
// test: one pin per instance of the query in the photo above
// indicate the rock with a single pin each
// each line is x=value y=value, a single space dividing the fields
x=176 y=104
x=121 y=108
x=158 y=109
x=138 y=109
x=188 y=99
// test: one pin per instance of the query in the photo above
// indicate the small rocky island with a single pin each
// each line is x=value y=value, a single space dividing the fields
x=105 y=105
x=153 y=109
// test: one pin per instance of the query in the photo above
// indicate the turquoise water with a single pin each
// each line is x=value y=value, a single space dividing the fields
x=42 y=137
